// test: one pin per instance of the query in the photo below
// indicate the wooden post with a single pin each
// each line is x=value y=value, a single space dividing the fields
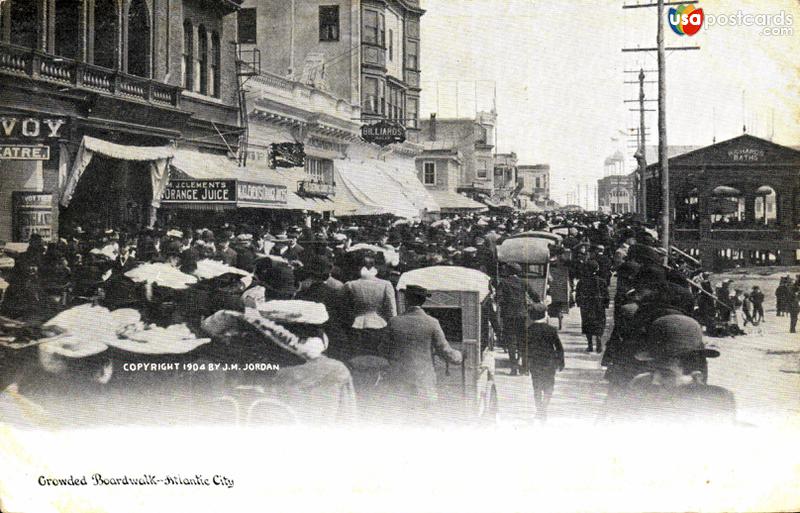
x=662 y=131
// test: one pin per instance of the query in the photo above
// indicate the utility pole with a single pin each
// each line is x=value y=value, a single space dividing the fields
x=640 y=185
x=662 y=110
x=642 y=160
x=663 y=157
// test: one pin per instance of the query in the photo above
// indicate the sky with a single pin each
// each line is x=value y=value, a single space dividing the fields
x=558 y=72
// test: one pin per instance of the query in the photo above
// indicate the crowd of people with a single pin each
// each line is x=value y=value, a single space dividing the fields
x=352 y=268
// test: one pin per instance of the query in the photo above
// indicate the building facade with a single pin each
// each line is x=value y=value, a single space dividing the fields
x=535 y=180
x=616 y=194
x=472 y=139
x=97 y=94
x=736 y=202
x=329 y=67
x=365 y=52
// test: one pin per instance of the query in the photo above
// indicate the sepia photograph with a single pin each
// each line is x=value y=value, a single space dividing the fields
x=399 y=255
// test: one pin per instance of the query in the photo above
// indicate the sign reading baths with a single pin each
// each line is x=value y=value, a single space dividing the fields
x=223 y=191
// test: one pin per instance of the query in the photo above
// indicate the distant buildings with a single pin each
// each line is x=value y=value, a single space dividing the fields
x=616 y=194
x=472 y=139
x=535 y=181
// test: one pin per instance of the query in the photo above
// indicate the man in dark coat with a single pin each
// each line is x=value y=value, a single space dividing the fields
x=757 y=297
x=225 y=254
x=545 y=356
x=675 y=389
x=414 y=337
x=324 y=289
x=793 y=305
x=513 y=299
x=591 y=295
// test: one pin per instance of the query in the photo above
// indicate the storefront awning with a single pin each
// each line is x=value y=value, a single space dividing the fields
x=251 y=188
x=158 y=156
x=363 y=189
x=451 y=202
x=404 y=173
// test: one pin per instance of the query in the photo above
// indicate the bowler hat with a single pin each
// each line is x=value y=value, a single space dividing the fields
x=537 y=311
x=416 y=290
x=675 y=335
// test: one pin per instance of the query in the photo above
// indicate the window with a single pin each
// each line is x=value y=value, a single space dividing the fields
x=412 y=55
x=412 y=112
x=369 y=97
x=247 y=26
x=67 y=24
x=374 y=28
x=538 y=183
x=412 y=27
x=483 y=170
x=202 y=61
x=381 y=97
x=328 y=22
x=138 y=50
x=319 y=170
x=215 y=63
x=394 y=103
x=391 y=45
x=105 y=33
x=186 y=63
x=481 y=134
x=24 y=26
x=429 y=173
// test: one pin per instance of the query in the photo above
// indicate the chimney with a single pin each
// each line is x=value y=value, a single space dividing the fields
x=433 y=126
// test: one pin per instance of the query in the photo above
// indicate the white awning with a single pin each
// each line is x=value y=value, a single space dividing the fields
x=404 y=173
x=451 y=201
x=158 y=156
x=363 y=188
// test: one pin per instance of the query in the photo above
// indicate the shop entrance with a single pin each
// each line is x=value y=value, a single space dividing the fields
x=111 y=194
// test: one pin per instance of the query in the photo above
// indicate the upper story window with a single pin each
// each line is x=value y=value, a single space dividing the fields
x=369 y=96
x=188 y=59
x=201 y=63
x=391 y=45
x=106 y=33
x=481 y=135
x=396 y=103
x=412 y=55
x=412 y=112
x=482 y=170
x=215 y=64
x=138 y=51
x=328 y=22
x=412 y=28
x=23 y=23
x=247 y=26
x=319 y=170
x=429 y=173
x=374 y=31
x=67 y=23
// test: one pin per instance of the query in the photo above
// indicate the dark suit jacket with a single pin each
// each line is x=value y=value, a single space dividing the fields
x=414 y=335
x=544 y=346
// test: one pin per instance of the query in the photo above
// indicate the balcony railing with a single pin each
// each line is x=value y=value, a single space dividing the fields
x=318 y=189
x=33 y=64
